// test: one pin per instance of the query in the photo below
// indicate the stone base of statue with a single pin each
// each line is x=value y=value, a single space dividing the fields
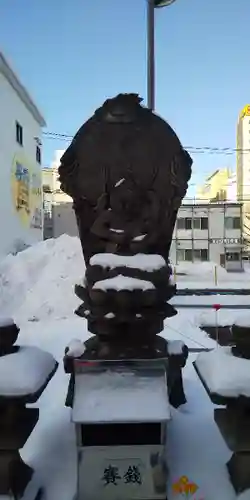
x=173 y=355
x=126 y=296
x=125 y=304
x=121 y=411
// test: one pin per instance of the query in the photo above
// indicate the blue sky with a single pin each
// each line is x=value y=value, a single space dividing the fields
x=73 y=54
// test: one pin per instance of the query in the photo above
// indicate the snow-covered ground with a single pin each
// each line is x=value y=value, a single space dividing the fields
x=188 y=275
x=36 y=288
x=195 y=446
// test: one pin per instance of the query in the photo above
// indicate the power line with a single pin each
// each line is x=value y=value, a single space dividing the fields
x=191 y=149
x=57 y=135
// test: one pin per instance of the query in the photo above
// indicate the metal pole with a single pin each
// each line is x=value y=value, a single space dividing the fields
x=151 y=54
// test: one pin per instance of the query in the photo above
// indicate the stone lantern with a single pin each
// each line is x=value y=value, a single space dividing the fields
x=25 y=372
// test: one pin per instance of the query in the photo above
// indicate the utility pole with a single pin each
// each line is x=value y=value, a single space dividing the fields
x=151 y=54
x=151 y=6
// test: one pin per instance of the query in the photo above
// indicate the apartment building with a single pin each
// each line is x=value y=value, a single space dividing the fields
x=209 y=232
x=20 y=158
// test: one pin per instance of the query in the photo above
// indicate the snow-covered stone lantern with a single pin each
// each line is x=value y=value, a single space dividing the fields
x=225 y=374
x=24 y=374
x=127 y=173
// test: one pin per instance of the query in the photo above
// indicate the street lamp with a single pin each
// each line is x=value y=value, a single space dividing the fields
x=162 y=3
x=152 y=5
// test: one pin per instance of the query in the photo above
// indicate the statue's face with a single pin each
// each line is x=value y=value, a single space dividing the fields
x=126 y=200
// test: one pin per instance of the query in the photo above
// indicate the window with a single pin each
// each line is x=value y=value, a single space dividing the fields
x=19 y=134
x=201 y=254
x=200 y=223
x=196 y=223
x=188 y=223
x=180 y=255
x=38 y=154
x=188 y=255
x=184 y=254
x=233 y=256
x=232 y=222
x=204 y=223
x=184 y=223
x=181 y=223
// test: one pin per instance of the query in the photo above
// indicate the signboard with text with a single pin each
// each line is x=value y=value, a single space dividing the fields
x=26 y=186
x=226 y=241
x=111 y=472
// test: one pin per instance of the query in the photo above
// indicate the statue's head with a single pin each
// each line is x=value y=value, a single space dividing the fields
x=127 y=167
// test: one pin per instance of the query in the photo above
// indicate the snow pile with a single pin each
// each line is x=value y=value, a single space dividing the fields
x=75 y=349
x=25 y=371
x=188 y=275
x=118 y=397
x=144 y=262
x=121 y=282
x=175 y=347
x=39 y=282
x=109 y=315
x=243 y=320
x=198 y=269
x=224 y=317
x=223 y=373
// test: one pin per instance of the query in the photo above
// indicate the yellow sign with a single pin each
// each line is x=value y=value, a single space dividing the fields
x=186 y=488
x=27 y=193
x=245 y=111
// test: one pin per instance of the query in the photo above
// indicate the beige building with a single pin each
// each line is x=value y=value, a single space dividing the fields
x=215 y=186
x=232 y=188
x=59 y=217
x=243 y=169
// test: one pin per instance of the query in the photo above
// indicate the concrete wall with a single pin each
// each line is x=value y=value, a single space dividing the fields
x=23 y=225
x=64 y=221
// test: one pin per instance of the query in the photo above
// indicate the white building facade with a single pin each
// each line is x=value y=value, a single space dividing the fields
x=21 y=202
x=209 y=232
